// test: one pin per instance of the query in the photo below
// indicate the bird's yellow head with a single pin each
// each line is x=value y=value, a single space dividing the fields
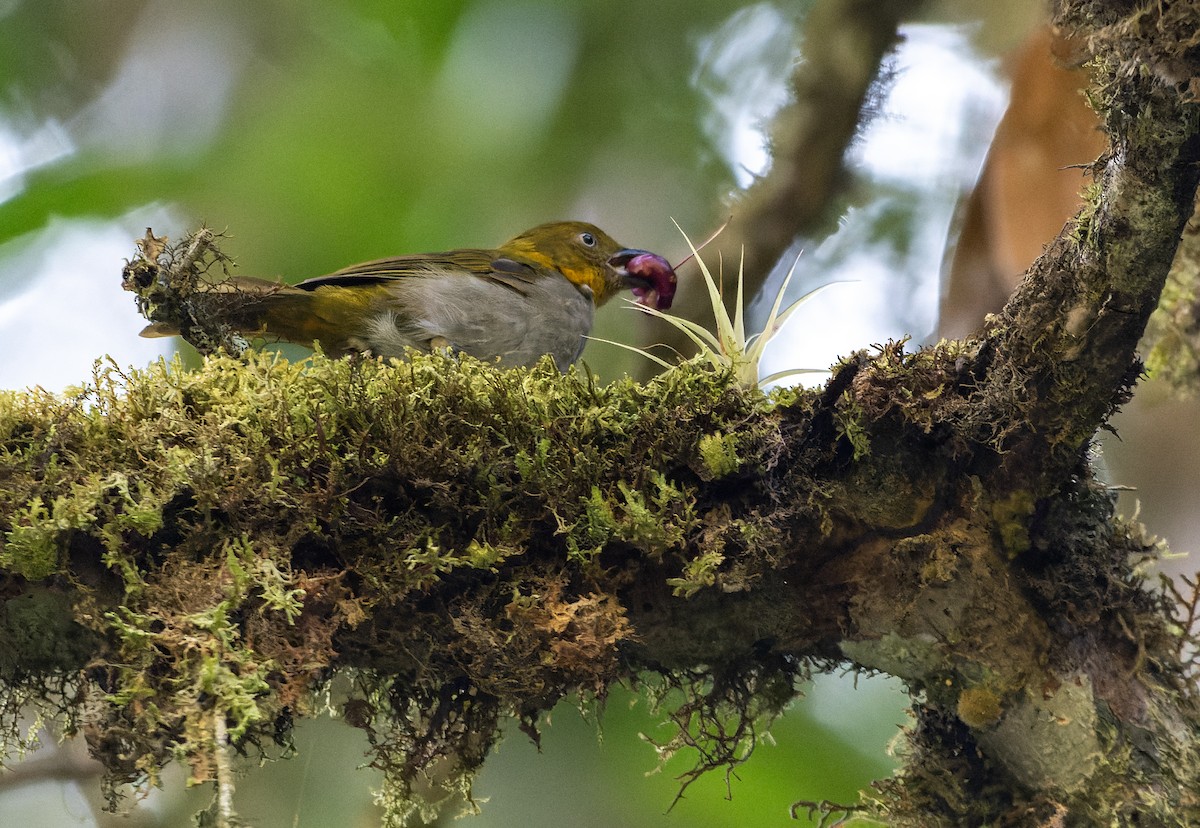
x=586 y=255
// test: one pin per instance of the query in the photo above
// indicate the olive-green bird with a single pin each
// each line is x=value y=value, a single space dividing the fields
x=535 y=294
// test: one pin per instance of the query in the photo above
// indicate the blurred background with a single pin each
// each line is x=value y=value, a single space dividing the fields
x=320 y=134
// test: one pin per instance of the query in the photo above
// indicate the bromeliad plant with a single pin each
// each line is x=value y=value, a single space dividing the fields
x=728 y=348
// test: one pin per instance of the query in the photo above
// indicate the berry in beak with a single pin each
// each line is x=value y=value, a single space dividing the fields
x=648 y=275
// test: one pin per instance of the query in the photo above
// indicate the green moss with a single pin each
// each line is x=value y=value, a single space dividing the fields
x=657 y=520
x=718 y=453
x=447 y=529
x=587 y=536
x=851 y=426
x=978 y=707
x=265 y=575
x=237 y=518
x=1080 y=229
x=698 y=573
x=31 y=548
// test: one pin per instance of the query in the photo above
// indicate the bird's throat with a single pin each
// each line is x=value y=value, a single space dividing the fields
x=585 y=276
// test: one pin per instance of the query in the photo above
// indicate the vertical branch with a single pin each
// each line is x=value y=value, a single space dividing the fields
x=226 y=818
x=845 y=41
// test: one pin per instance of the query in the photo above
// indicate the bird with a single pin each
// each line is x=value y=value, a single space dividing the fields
x=535 y=294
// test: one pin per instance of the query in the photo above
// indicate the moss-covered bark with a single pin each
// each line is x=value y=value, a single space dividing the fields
x=187 y=555
x=476 y=543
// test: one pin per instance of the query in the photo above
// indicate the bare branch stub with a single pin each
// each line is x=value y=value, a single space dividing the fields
x=176 y=294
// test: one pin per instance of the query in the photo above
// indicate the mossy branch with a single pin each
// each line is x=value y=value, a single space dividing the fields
x=475 y=543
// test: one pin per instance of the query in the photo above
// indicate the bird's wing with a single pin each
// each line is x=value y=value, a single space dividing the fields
x=480 y=264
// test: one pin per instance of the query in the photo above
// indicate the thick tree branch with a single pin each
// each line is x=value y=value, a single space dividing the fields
x=1074 y=324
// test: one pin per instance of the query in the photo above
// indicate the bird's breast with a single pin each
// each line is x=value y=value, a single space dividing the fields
x=484 y=318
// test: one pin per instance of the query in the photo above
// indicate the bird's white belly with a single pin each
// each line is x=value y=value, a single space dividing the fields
x=484 y=319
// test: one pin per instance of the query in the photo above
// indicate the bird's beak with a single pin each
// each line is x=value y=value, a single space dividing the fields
x=648 y=275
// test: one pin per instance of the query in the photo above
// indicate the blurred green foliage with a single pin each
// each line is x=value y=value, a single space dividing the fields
x=594 y=771
x=321 y=134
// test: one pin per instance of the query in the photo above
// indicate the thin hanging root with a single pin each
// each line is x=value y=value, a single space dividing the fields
x=226 y=818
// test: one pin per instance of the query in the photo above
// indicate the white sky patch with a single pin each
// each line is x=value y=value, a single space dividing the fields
x=867 y=704
x=22 y=152
x=742 y=70
x=943 y=97
x=841 y=319
x=924 y=151
x=68 y=308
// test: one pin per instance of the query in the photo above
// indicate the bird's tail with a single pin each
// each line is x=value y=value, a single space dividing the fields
x=275 y=311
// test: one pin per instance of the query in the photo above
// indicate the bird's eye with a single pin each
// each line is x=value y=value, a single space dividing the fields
x=588 y=239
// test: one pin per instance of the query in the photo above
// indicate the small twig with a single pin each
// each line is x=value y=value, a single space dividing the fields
x=704 y=243
x=827 y=810
x=173 y=295
x=226 y=818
